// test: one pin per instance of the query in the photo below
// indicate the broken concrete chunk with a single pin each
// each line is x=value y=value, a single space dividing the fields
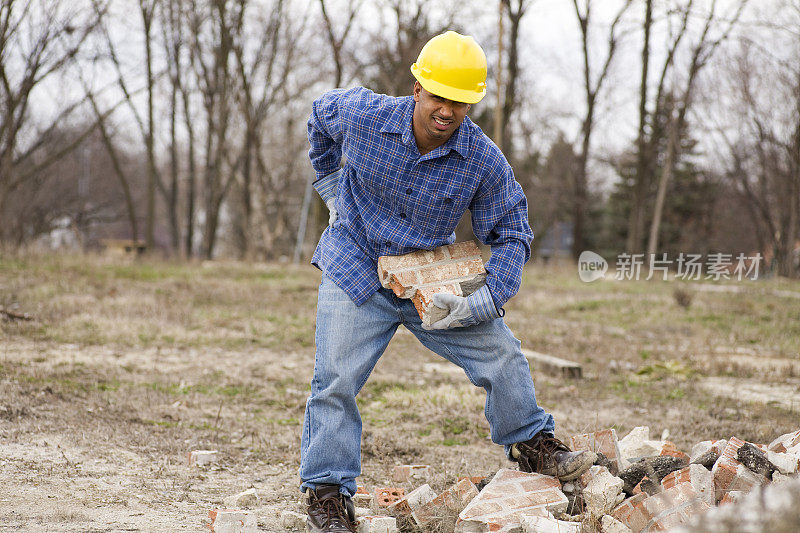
x=784 y=462
x=701 y=449
x=362 y=497
x=232 y=521
x=784 y=442
x=653 y=467
x=377 y=524
x=243 y=500
x=755 y=460
x=601 y=493
x=647 y=486
x=202 y=457
x=637 y=444
x=707 y=460
x=291 y=520
x=733 y=497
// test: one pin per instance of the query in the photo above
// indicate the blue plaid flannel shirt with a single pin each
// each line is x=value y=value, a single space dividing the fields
x=391 y=200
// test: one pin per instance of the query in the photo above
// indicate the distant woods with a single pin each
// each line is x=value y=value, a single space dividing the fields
x=181 y=123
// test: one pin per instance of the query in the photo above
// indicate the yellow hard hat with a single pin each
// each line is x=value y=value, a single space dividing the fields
x=452 y=66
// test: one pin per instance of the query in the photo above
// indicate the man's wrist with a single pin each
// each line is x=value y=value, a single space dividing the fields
x=326 y=186
x=482 y=305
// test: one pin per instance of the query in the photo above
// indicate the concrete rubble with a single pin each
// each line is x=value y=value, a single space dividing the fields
x=637 y=485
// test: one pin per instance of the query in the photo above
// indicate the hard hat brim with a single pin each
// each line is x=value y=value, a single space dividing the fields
x=445 y=91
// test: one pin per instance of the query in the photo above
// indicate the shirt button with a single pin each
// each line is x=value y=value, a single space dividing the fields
x=448 y=200
x=409 y=190
x=402 y=215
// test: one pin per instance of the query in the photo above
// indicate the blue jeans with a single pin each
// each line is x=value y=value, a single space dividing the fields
x=351 y=339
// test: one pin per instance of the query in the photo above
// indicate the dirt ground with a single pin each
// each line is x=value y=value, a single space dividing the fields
x=125 y=367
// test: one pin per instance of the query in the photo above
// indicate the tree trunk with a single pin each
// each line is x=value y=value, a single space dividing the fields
x=642 y=177
x=147 y=19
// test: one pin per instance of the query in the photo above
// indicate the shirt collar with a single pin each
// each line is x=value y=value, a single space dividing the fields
x=400 y=122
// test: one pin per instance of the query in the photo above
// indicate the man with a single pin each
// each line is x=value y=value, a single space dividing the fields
x=412 y=166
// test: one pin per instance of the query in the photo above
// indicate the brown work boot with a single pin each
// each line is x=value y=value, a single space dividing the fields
x=329 y=511
x=547 y=455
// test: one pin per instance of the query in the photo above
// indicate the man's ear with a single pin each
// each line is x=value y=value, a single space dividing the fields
x=417 y=91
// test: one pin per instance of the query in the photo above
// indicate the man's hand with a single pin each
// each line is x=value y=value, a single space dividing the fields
x=332 y=213
x=460 y=314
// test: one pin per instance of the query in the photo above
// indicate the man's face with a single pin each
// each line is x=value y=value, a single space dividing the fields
x=435 y=118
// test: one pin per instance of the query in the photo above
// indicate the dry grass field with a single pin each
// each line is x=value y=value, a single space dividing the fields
x=124 y=367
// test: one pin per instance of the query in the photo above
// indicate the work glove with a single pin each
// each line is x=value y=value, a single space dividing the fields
x=332 y=213
x=476 y=308
x=460 y=314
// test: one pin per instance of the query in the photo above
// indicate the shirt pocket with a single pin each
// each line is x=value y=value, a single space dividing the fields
x=438 y=212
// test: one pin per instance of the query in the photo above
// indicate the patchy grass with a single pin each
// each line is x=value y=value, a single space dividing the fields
x=136 y=363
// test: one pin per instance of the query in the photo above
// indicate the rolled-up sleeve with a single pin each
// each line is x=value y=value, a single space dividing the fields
x=500 y=220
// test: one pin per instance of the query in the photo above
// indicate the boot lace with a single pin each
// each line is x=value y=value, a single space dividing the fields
x=542 y=450
x=334 y=511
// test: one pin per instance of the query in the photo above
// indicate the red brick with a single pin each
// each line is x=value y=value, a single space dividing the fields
x=604 y=441
x=386 y=496
x=730 y=474
x=389 y=264
x=631 y=512
x=419 y=275
x=474 y=479
x=423 y=298
x=673 y=507
x=405 y=473
x=510 y=495
x=413 y=501
x=451 y=501
x=671 y=450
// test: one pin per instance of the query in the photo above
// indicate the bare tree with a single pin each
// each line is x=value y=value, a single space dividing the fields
x=386 y=63
x=702 y=51
x=38 y=39
x=516 y=11
x=637 y=205
x=763 y=140
x=336 y=42
x=592 y=85
x=263 y=74
x=106 y=137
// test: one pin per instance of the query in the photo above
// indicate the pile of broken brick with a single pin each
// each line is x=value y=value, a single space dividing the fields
x=637 y=484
